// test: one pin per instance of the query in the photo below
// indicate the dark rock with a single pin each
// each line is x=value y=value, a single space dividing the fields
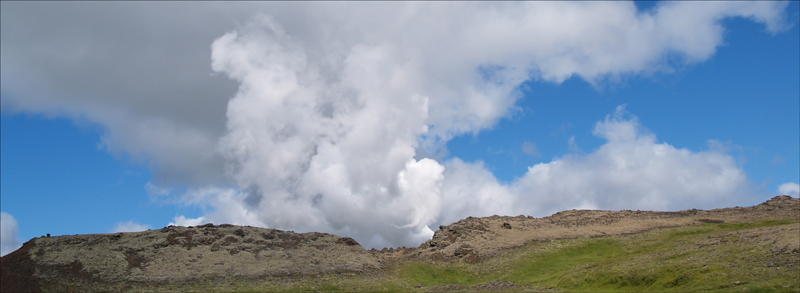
x=134 y=259
x=348 y=241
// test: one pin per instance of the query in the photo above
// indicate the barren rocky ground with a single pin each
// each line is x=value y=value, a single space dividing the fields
x=206 y=257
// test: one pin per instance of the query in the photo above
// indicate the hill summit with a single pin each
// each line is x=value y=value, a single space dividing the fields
x=181 y=256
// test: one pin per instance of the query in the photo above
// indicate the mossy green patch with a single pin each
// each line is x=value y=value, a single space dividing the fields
x=432 y=274
x=546 y=266
x=679 y=259
x=676 y=259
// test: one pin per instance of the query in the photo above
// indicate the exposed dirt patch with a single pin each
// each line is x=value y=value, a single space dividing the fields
x=17 y=271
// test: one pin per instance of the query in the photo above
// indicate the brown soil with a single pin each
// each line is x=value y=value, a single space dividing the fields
x=186 y=254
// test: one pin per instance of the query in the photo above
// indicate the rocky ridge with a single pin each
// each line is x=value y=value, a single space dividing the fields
x=184 y=254
x=473 y=239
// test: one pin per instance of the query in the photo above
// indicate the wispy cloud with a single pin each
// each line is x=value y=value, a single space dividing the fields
x=529 y=148
x=778 y=160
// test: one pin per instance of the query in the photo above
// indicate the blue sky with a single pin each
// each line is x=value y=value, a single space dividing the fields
x=745 y=96
x=57 y=170
x=159 y=120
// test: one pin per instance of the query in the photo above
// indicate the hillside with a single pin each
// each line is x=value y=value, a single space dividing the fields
x=732 y=249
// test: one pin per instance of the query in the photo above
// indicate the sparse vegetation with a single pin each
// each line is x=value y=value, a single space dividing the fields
x=667 y=260
x=752 y=255
x=673 y=259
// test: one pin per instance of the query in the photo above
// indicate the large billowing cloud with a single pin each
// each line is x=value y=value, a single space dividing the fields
x=343 y=109
x=9 y=234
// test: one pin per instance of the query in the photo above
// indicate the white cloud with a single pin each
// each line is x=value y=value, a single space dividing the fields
x=229 y=207
x=340 y=106
x=156 y=191
x=105 y=62
x=130 y=226
x=790 y=188
x=632 y=170
x=471 y=190
x=9 y=234
x=187 y=222
x=326 y=152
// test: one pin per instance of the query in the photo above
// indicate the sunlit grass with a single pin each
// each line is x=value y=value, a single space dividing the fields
x=665 y=260
x=657 y=261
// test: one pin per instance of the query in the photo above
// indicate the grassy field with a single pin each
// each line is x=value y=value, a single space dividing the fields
x=708 y=257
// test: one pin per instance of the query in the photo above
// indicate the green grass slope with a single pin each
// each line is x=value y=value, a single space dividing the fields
x=711 y=257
